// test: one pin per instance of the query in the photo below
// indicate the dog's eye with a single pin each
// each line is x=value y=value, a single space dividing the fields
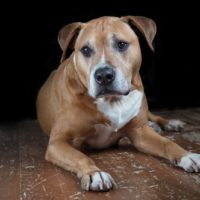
x=122 y=46
x=86 y=51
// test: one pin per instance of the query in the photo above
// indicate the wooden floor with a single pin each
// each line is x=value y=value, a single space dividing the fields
x=24 y=174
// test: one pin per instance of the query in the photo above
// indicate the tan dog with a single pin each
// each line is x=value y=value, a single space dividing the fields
x=96 y=97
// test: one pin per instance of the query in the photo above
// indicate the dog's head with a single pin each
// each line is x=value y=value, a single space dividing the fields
x=106 y=52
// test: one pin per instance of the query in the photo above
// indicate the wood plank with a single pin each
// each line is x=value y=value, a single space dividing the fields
x=138 y=175
x=9 y=162
x=24 y=173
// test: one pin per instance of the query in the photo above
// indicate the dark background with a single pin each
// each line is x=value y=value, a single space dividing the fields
x=30 y=52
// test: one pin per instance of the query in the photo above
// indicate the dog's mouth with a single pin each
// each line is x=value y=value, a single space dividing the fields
x=105 y=92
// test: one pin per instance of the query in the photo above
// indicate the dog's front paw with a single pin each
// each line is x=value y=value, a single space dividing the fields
x=174 y=125
x=98 y=181
x=190 y=162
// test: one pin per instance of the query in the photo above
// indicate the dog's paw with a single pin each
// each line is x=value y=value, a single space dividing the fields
x=98 y=181
x=190 y=162
x=174 y=125
x=155 y=126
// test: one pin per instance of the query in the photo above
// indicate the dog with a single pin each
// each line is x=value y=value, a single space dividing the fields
x=96 y=97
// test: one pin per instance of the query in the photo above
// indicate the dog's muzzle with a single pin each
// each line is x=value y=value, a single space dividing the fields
x=104 y=78
x=106 y=82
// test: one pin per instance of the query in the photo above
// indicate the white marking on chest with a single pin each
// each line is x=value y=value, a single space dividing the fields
x=121 y=112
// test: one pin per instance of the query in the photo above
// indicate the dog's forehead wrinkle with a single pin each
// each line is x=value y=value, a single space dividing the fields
x=105 y=20
x=85 y=40
x=116 y=37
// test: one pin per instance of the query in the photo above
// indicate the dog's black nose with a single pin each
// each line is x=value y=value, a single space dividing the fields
x=104 y=76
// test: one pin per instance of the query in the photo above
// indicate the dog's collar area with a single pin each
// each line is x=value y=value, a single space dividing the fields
x=120 y=111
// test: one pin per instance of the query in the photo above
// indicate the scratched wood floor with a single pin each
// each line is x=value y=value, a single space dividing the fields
x=24 y=174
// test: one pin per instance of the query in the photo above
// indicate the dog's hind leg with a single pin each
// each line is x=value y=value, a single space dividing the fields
x=156 y=122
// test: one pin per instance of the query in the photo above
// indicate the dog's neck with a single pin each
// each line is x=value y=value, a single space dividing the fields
x=122 y=111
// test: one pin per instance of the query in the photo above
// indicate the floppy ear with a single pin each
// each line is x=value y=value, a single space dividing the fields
x=145 y=25
x=67 y=37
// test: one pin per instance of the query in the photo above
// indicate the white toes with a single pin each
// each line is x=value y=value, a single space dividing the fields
x=98 y=181
x=190 y=162
x=174 y=125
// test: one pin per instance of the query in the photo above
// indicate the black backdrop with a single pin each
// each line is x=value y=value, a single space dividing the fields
x=30 y=51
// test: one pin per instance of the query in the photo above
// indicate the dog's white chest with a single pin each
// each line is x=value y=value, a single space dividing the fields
x=121 y=112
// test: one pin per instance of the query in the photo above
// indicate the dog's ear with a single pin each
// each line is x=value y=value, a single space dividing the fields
x=67 y=37
x=145 y=25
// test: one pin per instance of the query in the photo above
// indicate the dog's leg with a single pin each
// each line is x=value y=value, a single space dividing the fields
x=146 y=140
x=166 y=124
x=61 y=153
